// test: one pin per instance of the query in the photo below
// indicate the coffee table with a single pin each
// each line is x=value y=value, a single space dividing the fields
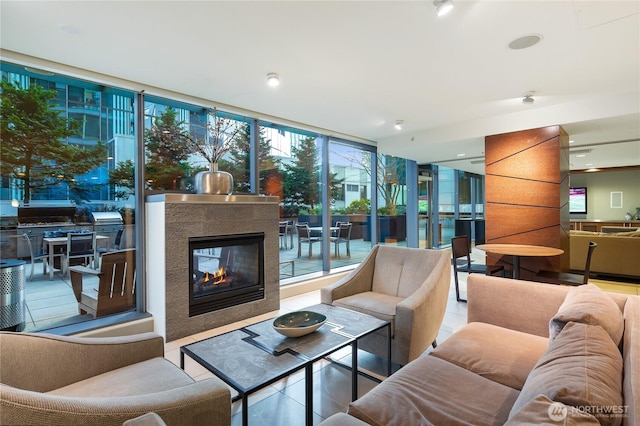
x=253 y=357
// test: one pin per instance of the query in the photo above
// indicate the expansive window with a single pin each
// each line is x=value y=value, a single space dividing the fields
x=90 y=164
x=61 y=141
x=350 y=174
x=392 y=200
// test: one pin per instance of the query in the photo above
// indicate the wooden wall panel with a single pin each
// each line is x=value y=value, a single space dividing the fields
x=527 y=192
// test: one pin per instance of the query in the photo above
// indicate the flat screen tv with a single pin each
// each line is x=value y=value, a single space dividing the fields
x=578 y=200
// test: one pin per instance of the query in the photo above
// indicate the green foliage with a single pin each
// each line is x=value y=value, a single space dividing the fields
x=302 y=176
x=239 y=166
x=32 y=143
x=361 y=206
x=122 y=178
x=168 y=146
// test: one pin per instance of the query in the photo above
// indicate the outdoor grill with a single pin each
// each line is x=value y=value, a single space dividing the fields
x=38 y=220
x=45 y=216
x=106 y=218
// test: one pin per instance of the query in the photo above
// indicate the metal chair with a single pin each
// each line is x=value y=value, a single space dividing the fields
x=80 y=246
x=304 y=236
x=41 y=255
x=112 y=247
x=461 y=249
x=567 y=278
x=343 y=235
x=285 y=230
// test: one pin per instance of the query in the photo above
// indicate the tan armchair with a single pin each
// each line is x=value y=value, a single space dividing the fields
x=406 y=286
x=56 y=380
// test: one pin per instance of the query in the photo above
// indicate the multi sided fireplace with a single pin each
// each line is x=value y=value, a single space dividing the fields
x=225 y=271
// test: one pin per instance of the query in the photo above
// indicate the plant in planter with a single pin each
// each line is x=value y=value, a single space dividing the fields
x=218 y=140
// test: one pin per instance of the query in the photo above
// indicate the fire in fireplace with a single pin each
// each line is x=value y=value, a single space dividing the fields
x=224 y=271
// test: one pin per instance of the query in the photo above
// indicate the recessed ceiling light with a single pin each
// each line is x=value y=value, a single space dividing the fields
x=273 y=79
x=462 y=154
x=443 y=6
x=581 y=155
x=525 y=42
x=399 y=124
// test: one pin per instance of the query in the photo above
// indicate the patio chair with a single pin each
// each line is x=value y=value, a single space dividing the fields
x=304 y=236
x=80 y=246
x=408 y=287
x=41 y=255
x=116 y=285
x=343 y=235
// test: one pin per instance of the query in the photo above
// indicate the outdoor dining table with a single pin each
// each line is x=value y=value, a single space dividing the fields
x=519 y=250
x=52 y=242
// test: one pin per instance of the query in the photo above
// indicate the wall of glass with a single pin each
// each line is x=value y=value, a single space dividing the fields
x=348 y=196
x=460 y=197
x=61 y=141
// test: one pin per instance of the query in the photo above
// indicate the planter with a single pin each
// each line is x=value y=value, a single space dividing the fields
x=213 y=182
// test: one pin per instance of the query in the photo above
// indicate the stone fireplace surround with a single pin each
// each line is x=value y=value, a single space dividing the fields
x=171 y=220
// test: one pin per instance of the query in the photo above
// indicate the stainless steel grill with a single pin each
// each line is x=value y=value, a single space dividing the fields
x=106 y=218
x=46 y=216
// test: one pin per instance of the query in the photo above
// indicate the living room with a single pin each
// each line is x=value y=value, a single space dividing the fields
x=420 y=141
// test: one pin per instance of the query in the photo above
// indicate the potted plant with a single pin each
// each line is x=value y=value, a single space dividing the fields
x=218 y=140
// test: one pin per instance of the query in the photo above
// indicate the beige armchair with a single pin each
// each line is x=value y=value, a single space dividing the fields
x=407 y=286
x=56 y=380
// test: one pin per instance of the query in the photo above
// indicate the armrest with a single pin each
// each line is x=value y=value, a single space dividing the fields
x=75 y=358
x=359 y=280
x=204 y=402
x=84 y=270
x=515 y=304
x=75 y=274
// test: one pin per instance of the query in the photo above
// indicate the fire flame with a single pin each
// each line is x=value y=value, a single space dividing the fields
x=217 y=276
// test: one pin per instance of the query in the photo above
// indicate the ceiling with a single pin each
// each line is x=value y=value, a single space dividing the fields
x=352 y=68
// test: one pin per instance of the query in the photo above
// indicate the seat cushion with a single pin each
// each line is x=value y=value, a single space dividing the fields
x=154 y=375
x=378 y=305
x=499 y=354
x=581 y=368
x=429 y=391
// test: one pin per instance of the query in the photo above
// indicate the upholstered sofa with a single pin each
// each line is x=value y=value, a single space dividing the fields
x=531 y=353
x=616 y=254
x=57 y=380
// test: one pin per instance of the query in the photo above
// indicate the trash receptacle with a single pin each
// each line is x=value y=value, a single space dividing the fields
x=12 y=298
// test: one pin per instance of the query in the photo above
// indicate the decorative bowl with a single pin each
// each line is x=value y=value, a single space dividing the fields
x=300 y=323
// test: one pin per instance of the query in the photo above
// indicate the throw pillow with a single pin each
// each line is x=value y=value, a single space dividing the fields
x=581 y=368
x=588 y=304
x=543 y=411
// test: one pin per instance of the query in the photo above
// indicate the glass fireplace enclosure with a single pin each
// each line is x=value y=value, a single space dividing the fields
x=225 y=271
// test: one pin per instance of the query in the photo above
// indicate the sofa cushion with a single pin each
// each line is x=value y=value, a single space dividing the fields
x=430 y=390
x=496 y=353
x=378 y=305
x=154 y=375
x=588 y=304
x=543 y=411
x=581 y=368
